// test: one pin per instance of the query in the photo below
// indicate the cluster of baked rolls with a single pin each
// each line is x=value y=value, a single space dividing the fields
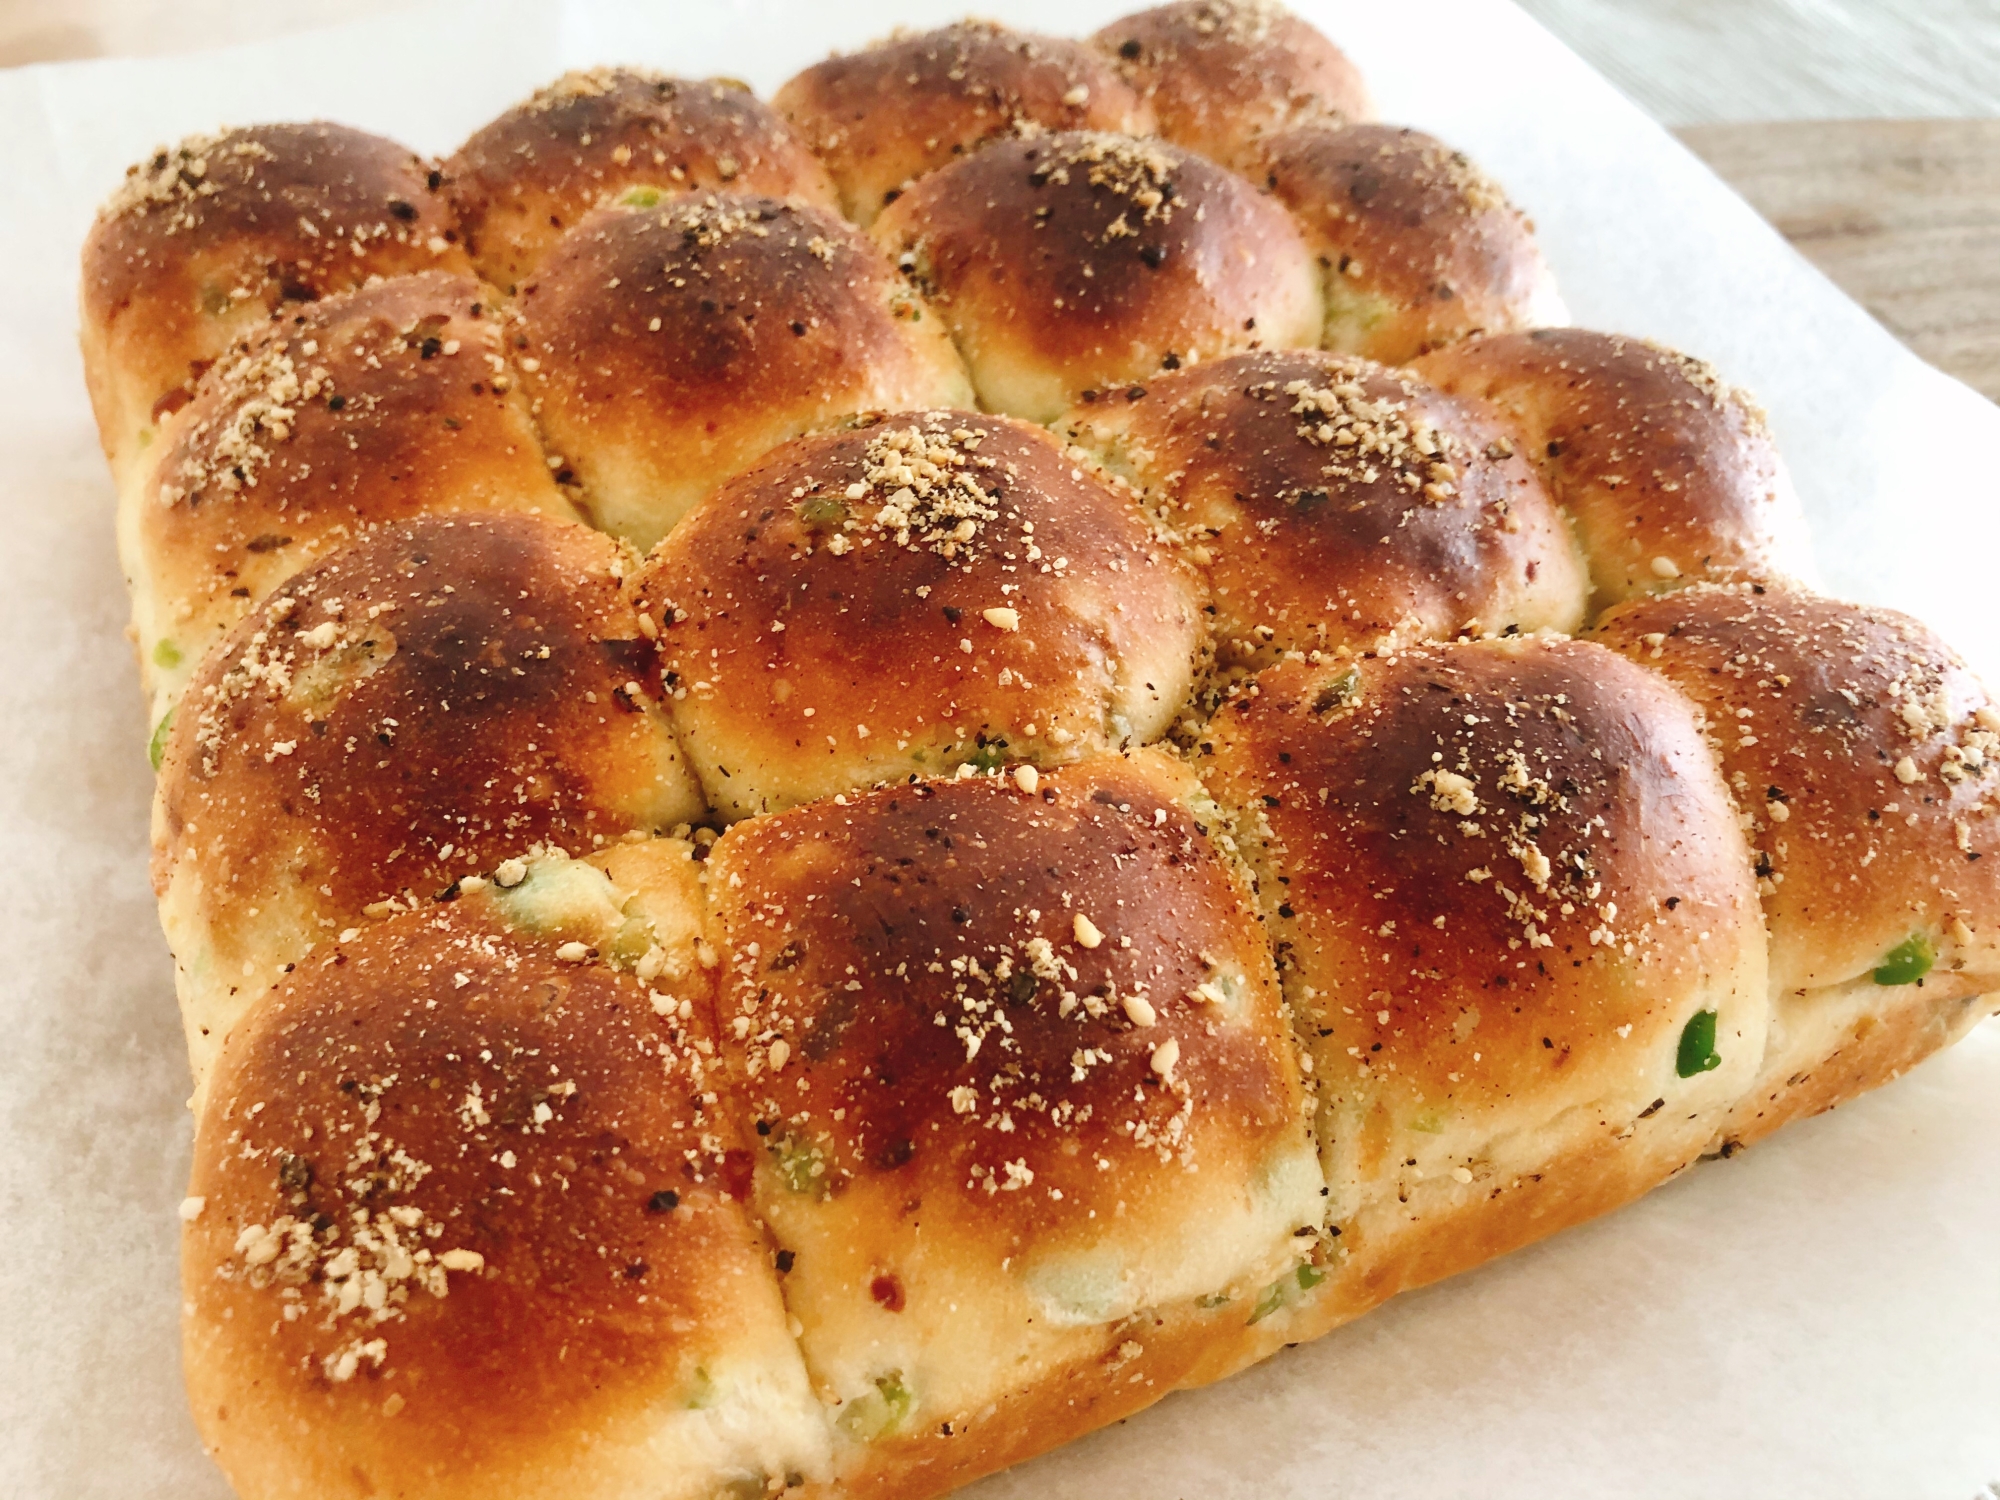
x=846 y=785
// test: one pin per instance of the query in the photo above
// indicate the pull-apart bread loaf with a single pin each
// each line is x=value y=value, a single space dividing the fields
x=847 y=785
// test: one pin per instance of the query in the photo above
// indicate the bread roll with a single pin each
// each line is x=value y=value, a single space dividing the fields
x=523 y=179
x=1220 y=74
x=932 y=589
x=466 y=1220
x=882 y=117
x=671 y=347
x=1669 y=472
x=1863 y=755
x=1031 y=1124
x=415 y=709
x=208 y=238
x=1082 y=261
x=1517 y=926
x=1418 y=247
x=1337 y=505
x=365 y=407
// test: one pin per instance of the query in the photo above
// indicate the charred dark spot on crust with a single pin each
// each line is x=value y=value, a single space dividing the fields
x=887 y=1292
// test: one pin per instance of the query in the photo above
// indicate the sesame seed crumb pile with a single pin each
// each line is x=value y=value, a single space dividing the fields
x=846 y=785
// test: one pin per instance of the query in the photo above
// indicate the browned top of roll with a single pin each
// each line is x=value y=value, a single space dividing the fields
x=462 y=1210
x=911 y=594
x=672 y=346
x=523 y=179
x=365 y=407
x=1486 y=858
x=1087 y=260
x=1220 y=73
x=887 y=114
x=1863 y=753
x=953 y=976
x=1669 y=472
x=219 y=230
x=1336 y=503
x=421 y=705
x=1420 y=246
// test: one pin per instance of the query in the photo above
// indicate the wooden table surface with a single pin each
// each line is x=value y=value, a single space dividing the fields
x=1903 y=214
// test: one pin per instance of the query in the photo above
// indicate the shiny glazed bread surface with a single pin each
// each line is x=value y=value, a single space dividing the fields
x=900 y=599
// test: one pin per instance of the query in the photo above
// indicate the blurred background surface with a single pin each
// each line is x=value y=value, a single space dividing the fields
x=1867 y=131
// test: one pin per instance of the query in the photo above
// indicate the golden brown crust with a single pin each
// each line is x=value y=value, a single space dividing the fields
x=519 y=182
x=364 y=408
x=1418 y=247
x=1669 y=473
x=208 y=238
x=419 y=707
x=1504 y=878
x=1022 y=1076
x=1081 y=261
x=671 y=347
x=882 y=117
x=1221 y=74
x=901 y=598
x=1863 y=756
x=464 y=1216
x=1336 y=504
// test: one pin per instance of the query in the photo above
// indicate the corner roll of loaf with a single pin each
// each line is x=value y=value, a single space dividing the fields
x=847 y=785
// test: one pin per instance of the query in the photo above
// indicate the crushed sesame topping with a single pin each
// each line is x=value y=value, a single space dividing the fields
x=707 y=222
x=177 y=178
x=260 y=392
x=366 y=1266
x=931 y=489
x=1449 y=792
x=1139 y=171
x=1243 y=22
x=584 y=83
x=1479 y=192
x=1366 y=436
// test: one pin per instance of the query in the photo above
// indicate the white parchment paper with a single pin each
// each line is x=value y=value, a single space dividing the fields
x=1817 y=1317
